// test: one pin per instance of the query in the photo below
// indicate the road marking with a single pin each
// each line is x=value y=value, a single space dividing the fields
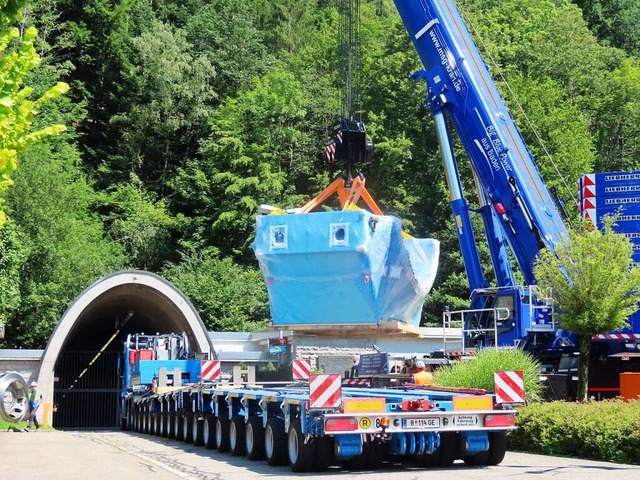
x=174 y=471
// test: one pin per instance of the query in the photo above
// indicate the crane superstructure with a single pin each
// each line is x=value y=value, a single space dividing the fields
x=516 y=208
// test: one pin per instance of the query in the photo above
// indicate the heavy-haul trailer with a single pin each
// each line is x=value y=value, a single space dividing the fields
x=315 y=424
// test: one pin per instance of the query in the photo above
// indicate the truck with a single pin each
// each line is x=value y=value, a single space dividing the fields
x=308 y=424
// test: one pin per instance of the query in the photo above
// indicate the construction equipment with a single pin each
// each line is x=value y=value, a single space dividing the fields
x=517 y=210
x=311 y=423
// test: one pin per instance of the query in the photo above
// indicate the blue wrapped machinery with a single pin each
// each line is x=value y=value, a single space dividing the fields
x=347 y=267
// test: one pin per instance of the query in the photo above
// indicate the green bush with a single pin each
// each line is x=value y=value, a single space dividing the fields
x=478 y=372
x=608 y=430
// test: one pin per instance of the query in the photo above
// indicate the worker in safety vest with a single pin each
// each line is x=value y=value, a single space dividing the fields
x=34 y=398
x=422 y=376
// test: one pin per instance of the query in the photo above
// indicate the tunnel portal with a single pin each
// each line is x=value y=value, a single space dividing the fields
x=82 y=363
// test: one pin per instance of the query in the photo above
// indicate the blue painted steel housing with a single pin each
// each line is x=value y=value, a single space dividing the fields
x=458 y=82
x=343 y=267
x=146 y=370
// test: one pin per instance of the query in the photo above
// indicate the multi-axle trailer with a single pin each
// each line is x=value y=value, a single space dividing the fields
x=309 y=425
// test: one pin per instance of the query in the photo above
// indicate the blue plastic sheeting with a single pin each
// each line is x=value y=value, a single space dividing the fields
x=344 y=267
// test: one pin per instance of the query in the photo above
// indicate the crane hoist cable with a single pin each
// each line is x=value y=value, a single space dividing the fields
x=349 y=147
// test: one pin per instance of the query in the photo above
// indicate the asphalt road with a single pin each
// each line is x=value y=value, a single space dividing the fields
x=112 y=455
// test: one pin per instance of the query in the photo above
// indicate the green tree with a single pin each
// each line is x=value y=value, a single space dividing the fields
x=18 y=57
x=58 y=245
x=593 y=284
x=614 y=21
x=227 y=296
x=141 y=224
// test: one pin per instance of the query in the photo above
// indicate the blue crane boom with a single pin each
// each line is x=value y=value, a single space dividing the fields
x=459 y=84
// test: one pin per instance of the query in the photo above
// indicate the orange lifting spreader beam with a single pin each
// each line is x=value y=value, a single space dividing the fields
x=348 y=197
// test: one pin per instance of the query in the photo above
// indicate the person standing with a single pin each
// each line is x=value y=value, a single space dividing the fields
x=33 y=401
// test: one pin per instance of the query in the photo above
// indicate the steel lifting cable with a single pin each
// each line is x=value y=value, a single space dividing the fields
x=515 y=98
x=349 y=48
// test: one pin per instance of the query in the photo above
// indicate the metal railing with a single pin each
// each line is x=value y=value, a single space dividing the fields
x=456 y=320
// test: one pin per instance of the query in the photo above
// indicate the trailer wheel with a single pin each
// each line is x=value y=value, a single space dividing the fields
x=275 y=442
x=254 y=439
x=198 y=430
x=179 y=426
x=187 y=428
x=358 y=462
x=209 y=432
x=222 y=434
x=138 y=416
x=171 y=425
x=157 y=424
x=300 y=452
x=497 y=447
x=449 y=442
x=477 y=459
x=376 y=454
x=324 y=453
x=237 y=431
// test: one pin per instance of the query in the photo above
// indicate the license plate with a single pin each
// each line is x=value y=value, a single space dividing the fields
x=421 y=422
x=465 y=420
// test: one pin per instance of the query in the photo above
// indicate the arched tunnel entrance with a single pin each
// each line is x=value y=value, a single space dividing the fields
x=82 y=363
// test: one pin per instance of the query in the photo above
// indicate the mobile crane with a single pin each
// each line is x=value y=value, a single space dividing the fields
x=516 y=208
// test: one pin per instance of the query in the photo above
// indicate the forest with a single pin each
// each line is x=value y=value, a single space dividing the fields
x=183 y=116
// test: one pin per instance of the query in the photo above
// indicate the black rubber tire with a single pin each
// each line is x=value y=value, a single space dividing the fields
x=254 y=439
x=198 y=431
x=164 y=422
x=449 y=448
x=187 y=429
x=222 y=434
x=324 y=453
x=179 y=426
x=171 y=425
x=477 y=459
x=157 y=424
x=497 y=447
x=275 y=442
x=376 y=454
x=209 y=432
x=147 y=422
x=300 y=453
x=237 y=436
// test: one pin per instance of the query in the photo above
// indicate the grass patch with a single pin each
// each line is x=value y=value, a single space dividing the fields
x=11 y=426
x=478 y=372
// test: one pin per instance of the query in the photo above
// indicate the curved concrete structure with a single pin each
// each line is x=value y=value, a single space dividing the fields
x=151 y=304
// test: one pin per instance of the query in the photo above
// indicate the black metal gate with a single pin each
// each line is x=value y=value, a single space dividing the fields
x=92 y=401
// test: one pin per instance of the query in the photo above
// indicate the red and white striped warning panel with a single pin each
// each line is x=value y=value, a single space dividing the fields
x=617 y=336
x=210 y=370
x=356 y=382
x=325 y=391
x=509 y=387
x=301 y=369
x=589 y=179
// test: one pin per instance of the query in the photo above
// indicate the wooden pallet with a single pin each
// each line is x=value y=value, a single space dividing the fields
x=391 y=328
